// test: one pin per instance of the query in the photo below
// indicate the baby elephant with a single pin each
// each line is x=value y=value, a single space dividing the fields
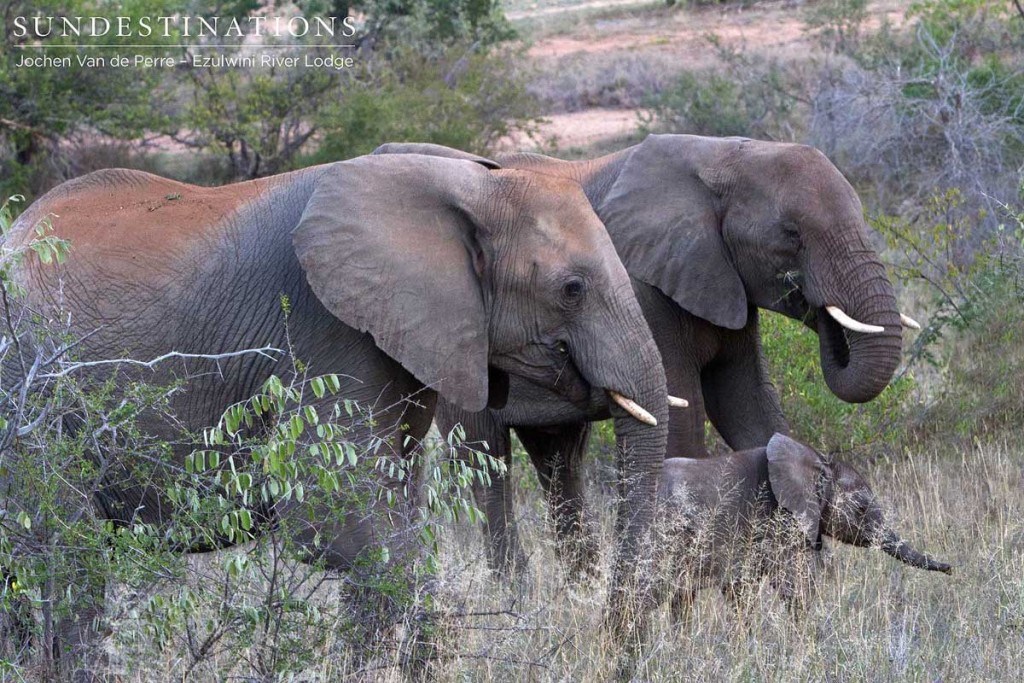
x=762 y=512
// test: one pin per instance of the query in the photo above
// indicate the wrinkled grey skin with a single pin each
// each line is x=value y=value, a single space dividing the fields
x=763 y=512
x=710 y=230
x=409 y=275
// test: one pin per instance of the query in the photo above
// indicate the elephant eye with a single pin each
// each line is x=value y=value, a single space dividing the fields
x=573 y=290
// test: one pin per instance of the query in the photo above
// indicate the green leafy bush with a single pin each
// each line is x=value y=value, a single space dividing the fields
x=982 y=367
x=974 y=333
x=467 y=100
x=815 y=415
x=260 y=600
x=751 y=97
x=837 y=23
x=71 y=432
x=40 y=108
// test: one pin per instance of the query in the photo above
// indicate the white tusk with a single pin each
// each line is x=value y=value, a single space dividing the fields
x=909 y=322
x=633 y=409
x=851 y=324
x=676 y=402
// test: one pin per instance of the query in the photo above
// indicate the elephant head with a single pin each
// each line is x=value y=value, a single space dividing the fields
x=829 y=497
x=478 y=271
x=721 y=225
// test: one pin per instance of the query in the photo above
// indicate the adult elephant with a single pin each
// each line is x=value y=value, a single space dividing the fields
x=710 y=230
x=409 y=275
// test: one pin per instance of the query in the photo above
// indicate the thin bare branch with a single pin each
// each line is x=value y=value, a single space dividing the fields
x=265 y=351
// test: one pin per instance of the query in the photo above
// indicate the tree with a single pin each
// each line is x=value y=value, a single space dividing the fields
x=41 y=105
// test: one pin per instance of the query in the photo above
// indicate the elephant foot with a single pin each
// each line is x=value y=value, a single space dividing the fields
x=79 y=653
x=578 y=557
x=632 y=635
x=508 y=565
x=427 y=633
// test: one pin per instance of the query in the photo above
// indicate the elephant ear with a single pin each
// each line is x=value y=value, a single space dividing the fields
x=795 y=471
x=389 y=246
x=432 y=150
x=663 y=219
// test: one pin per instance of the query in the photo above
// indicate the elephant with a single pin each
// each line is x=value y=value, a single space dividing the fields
x=710 y=230
x=411 y=276
x=763 y=512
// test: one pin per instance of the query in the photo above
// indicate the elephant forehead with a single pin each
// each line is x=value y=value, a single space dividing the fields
x=560 y=208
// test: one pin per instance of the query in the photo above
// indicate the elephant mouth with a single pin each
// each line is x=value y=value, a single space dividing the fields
x=549 y=366
x=834 y=338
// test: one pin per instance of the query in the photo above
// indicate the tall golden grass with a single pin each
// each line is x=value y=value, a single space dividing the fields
x=871 y=618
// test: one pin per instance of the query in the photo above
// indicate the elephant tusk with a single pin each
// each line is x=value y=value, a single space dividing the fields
x=909 y=322
x=633 y=408
x=851 y=324
x=676 y=402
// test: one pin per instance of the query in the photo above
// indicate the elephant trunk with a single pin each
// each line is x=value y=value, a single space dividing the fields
x=857 y=365
x=640 y=452
x=896 y=547
x=626 y=361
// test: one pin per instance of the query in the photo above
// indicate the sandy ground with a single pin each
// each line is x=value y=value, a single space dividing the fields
x=776 y=29
x=575 y=129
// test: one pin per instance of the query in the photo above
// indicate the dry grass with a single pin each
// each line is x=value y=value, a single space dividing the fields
x=871 y=619
x=546 y=18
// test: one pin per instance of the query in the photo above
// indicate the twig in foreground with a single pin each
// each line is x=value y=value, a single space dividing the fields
x=265 y=351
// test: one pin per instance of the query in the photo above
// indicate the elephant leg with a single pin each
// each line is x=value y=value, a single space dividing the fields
x=681 y=607
x=368 y=527
x=505 y=553
x=734 y=594
x=740 y=399
x=557 y=453
x=686 y=426
x=76 y=655
x=798 y=580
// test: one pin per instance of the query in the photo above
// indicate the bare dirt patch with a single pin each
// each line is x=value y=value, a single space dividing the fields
x=576 y=129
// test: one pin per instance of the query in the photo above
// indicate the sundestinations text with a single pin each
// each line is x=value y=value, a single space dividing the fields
x=184 y=26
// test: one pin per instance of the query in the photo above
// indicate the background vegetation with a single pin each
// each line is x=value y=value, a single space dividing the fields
x=921 y=105
x=433 y=70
